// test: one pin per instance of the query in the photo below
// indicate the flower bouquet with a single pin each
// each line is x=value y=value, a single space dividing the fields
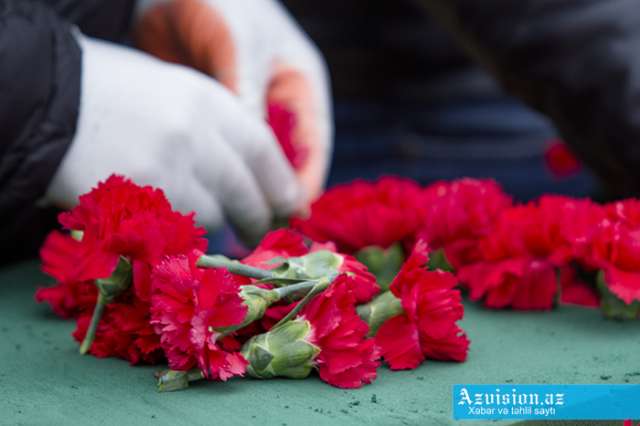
x=375 y=273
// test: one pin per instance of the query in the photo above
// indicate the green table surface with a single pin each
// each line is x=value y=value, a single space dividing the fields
x=43 y=379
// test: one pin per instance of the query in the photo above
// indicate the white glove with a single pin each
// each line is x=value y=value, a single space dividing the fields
x=172 y=127
x=255 y=49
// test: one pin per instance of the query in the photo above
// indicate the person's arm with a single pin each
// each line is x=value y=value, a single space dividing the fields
x=256 y=50
x=74 y=110
x=39 y=97
x=577 y=61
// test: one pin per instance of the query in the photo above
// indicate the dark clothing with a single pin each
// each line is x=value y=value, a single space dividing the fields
x=389 y=51
x=40 y=69
x=40 y=91
x=422 y=106
x=577 y=61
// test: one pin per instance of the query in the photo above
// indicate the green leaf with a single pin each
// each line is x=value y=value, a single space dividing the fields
x=384 y=264
x=438 y=260
x=612 y=306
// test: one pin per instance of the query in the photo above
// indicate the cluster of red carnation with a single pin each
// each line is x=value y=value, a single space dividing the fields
x=134 y=275
x=130 y=271
x=523 y=256
x=117 y=220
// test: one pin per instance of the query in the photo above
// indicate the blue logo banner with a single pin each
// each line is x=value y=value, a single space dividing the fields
x=546 y=402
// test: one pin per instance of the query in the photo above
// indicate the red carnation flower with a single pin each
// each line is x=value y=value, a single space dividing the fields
x=189 y=307
x=327 y=335
x=616 y=250
x=561 y=227
x=283 y=122
x=460 y=213
x=626 y=212
x=424 y=307
x=520 y=283
x=285 y=243
x=347 y=359
x=519 y=258
x=362 y=214
x=123 y=332
x=116 y=220
x=575 y=291
x=515 y=270
x=280 y=243
x=560 y=160
x=120 y=218
x=357 y=277
x=61 y=257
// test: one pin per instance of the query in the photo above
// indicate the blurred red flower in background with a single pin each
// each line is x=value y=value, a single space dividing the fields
x=362 y=214
x=560 y=160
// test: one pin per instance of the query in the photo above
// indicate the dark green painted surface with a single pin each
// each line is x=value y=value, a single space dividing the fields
x=43 y=380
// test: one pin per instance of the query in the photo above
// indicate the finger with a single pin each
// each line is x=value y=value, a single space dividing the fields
x=251 y=138
x=192 y=33
x=311 y=131
x=154 y=34
x=206 y=206
x=230 y=181
x=271 y=169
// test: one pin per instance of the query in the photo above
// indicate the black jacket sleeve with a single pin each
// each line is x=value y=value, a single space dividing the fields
x=577 y=61
x=40 y=63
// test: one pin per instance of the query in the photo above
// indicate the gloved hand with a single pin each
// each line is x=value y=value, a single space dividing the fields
x=255 y=49
x=172 y=127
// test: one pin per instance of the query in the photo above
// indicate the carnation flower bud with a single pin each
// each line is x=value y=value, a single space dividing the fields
x=284 y=351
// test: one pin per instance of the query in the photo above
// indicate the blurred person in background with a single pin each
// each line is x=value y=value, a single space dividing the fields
x=426 y=89
x=79 y=102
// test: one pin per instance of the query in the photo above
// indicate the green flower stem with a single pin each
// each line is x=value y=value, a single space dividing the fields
x=93 y=326
x=380 y=309
x=172 y=380
x=108 y=289
x=319 y=286
x=233 y=266
x=289 y=290
x=259 y=299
